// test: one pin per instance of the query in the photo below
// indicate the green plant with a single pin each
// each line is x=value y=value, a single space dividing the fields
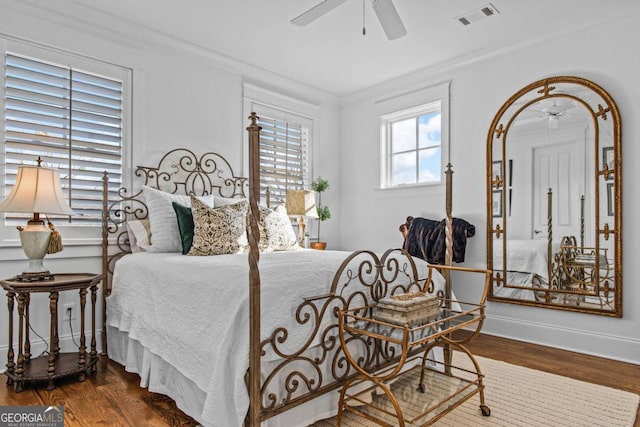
x=321 y=185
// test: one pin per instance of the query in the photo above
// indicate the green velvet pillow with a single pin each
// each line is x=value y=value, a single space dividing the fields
x=186 y=226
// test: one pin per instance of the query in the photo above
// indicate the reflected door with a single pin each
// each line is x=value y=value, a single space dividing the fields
x=559 y=167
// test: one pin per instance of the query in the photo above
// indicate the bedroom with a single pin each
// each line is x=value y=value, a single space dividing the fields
x=207 y=113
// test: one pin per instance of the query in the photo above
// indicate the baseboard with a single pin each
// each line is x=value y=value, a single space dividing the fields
x=614 y=347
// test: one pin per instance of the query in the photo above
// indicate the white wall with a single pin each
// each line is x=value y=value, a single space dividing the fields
x=183 y=96
x=370 y=217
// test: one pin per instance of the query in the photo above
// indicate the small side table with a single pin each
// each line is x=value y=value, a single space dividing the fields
x=55 y=365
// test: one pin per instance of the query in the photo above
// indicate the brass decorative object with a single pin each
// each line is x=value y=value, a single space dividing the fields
x=413 y=342
x=572 y=121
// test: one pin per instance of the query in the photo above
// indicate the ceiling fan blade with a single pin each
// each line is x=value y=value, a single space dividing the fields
x=316 y=12
x=389 y=19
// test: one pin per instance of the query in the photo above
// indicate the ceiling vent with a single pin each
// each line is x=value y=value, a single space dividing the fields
x=477 y=14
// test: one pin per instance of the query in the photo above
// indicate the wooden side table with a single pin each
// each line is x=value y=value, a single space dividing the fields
x=55 y=365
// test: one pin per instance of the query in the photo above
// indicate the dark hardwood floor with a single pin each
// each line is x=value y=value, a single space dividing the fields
x=113 y=397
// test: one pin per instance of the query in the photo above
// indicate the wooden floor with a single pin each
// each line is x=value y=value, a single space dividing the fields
x=113 y=397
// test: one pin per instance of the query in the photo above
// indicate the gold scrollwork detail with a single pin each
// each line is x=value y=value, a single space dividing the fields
x=497 y=182
x=606 y=231
x=607 y=173
x=498 y=231
x=602 y=112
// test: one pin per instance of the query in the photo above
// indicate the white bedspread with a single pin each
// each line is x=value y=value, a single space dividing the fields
x=525 y=256
x=193 y=312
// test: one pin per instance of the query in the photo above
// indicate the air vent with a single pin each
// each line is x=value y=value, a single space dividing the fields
x=477 y=14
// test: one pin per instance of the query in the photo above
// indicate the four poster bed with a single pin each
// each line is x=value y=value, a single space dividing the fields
x=191 y=328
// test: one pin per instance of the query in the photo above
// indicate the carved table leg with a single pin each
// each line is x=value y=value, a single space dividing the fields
x=82 y=350
x=93 y=353
x=27 y=341
x=19 y=384
x=10 y=355
x=51 y=370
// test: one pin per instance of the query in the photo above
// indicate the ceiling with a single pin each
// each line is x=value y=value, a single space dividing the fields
x=332 y=55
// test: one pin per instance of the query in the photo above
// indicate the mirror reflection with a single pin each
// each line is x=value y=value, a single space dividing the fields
x=553 y=174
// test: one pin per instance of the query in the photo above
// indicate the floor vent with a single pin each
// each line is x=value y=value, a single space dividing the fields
x=477 y=14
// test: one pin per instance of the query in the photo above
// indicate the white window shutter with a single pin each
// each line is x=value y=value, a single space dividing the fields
x=73 y=120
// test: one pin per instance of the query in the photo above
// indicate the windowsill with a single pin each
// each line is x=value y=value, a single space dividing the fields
x=411 y=186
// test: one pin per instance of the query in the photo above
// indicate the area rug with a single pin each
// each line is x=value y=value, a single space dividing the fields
x=523 y=397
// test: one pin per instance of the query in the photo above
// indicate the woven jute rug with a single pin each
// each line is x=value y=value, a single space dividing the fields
x=523 y=397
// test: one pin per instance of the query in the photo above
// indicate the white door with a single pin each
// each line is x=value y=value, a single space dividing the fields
x=561 y=168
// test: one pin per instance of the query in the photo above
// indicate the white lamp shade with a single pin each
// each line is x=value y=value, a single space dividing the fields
x=301 y=202
x=37 y=190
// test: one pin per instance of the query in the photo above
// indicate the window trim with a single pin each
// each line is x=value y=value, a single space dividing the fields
x=404 y=106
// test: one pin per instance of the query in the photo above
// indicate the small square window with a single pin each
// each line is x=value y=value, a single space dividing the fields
x=413 y=146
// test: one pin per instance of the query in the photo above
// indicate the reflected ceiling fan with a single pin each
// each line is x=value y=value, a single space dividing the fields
x=551 y=114
x=384 y=9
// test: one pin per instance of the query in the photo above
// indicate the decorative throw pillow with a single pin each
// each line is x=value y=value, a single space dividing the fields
x=218 y=231
x=185 y=225
x=279 y=232
x=139 y=232
x=165 y=236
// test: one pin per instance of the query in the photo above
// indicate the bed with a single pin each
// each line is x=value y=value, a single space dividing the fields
x=228 y=354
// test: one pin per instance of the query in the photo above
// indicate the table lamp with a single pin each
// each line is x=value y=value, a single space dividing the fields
x=301 y=203
x=37 y=190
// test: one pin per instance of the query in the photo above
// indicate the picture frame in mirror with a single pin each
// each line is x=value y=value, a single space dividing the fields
x=496 y=203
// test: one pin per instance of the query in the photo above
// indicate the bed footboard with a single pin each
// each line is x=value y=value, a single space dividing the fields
x=318 y=365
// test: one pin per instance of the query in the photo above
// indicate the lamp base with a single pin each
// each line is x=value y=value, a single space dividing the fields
x=301 y=226
x=35 y=242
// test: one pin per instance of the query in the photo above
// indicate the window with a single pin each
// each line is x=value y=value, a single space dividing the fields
x=414 y=135
x=284 y=155
x=72 y=119
x=285 y=142
x=414 y=146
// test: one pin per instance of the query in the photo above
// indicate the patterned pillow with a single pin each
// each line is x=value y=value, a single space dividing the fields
x=279 y=232
x=218 y=230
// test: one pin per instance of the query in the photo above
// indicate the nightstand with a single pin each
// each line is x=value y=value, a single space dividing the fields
x=56 y=365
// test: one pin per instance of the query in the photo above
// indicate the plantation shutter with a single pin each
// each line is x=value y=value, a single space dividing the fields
x=284 y=153
x=72 y=120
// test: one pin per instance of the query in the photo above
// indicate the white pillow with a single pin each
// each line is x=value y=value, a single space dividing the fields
x=139 y=232
x=165 y=235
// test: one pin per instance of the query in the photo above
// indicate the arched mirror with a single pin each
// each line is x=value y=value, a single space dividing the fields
x=554 y=198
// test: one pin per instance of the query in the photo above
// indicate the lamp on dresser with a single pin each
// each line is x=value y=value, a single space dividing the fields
x=37 y=191
x=301 y=203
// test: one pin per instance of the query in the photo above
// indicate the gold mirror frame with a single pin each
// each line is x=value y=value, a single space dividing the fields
x=562 y=286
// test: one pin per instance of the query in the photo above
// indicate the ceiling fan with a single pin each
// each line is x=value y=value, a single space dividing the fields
x=384 y=9
x=551 y=114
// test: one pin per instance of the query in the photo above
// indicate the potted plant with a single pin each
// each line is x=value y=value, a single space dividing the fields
x=319 y=186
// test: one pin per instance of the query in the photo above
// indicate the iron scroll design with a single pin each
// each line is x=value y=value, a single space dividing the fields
x=179 y=171
x=317 y=364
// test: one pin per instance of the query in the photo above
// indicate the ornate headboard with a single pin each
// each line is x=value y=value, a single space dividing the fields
x=180 y=171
